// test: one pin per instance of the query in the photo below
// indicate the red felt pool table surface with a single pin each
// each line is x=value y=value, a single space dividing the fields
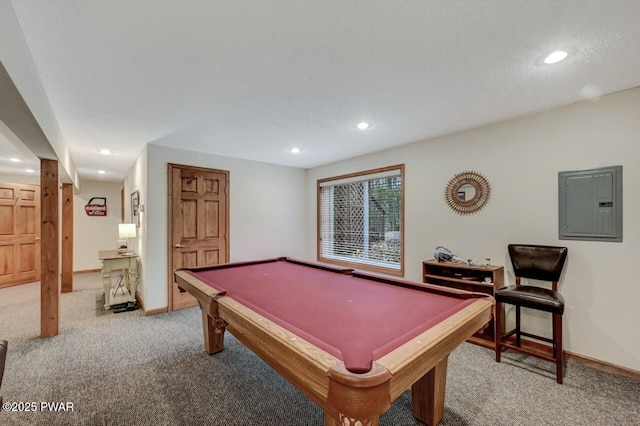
x=352 y=342
x=353 y=318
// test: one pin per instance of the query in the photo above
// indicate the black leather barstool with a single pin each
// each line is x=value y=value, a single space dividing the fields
x=542 y=263
x=3 y=357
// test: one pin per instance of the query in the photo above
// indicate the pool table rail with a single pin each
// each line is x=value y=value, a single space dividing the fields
x=409 y=362
x=345 y=397
x=297 y=360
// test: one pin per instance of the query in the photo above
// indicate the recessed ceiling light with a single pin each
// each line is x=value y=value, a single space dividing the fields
x=15 y=160
x=105 y=151
x=101 y=172
x=295 y=150
x=29 y=170
x=362 y=126
x=555 y=57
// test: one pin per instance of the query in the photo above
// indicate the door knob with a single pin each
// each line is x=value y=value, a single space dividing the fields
x=179 y=246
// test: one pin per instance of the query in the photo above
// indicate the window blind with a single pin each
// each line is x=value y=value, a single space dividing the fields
x=360 y=219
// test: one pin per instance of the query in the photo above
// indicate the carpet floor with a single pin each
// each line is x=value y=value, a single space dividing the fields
x=128 y=369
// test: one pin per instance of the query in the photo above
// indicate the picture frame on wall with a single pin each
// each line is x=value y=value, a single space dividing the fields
x=135 y=208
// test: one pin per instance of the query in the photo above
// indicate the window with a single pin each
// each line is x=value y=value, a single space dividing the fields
x=361 y=220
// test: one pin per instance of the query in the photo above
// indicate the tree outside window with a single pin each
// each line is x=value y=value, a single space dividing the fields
x=361 y=220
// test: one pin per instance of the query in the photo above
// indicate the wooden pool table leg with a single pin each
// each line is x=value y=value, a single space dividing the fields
x=357 y=399
x=213 y=332
x=428 y=394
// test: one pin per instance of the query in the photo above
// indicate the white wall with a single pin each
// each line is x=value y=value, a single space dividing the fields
x=521 y=159
x=90 y=233
x=94 y=233
x=25 y=179
x=17 y=60
x=267 y=205
x=137 y=181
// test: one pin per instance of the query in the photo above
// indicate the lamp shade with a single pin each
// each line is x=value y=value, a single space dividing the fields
x=127 y=230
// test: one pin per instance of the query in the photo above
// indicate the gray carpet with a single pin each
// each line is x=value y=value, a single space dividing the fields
x=127 y=369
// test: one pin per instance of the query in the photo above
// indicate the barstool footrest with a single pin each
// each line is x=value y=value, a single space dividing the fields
x=534 y=336
x=528 y=351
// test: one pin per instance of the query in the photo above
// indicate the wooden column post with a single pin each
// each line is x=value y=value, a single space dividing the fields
x=67 y=237
x=49 y=278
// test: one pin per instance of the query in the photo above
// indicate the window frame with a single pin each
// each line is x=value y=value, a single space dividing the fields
x=355 y=264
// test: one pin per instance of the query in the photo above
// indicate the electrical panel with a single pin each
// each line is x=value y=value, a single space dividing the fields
x=590 y=204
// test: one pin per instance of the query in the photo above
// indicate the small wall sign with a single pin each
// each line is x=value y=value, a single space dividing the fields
x=97 y=206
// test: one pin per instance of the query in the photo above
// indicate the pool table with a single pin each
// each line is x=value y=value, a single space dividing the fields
x=352 y=342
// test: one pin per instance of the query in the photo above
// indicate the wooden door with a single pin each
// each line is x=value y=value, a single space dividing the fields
x=19 y=234
x=198 y=223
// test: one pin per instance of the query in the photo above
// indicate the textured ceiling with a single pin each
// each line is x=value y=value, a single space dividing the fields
x=251 y=79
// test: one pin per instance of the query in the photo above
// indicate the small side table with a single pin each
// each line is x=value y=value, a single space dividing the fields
x=112 y=260
x=482 y=279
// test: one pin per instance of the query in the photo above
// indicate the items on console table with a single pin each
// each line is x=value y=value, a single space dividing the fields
x=484 y=279
x=125 y=289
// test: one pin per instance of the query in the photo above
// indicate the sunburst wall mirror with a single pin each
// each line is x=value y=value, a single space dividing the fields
x=467 y=192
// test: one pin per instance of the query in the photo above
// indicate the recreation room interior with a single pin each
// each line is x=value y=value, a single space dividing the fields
x=115 y=112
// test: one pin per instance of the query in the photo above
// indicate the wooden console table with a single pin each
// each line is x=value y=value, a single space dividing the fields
x=481 y=279
x=112 y=260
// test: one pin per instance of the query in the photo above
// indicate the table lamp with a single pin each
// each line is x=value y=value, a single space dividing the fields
x=126 y=231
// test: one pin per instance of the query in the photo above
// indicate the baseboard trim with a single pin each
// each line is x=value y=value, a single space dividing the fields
x=139 y=300
x=607 y=367
x=603 y=366
x=156 y=311
x=85 y=271
x=152 y=311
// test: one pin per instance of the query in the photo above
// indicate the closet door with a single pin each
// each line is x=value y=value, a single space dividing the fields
x=19 y=234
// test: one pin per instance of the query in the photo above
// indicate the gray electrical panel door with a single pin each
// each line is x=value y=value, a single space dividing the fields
x=590 y=204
